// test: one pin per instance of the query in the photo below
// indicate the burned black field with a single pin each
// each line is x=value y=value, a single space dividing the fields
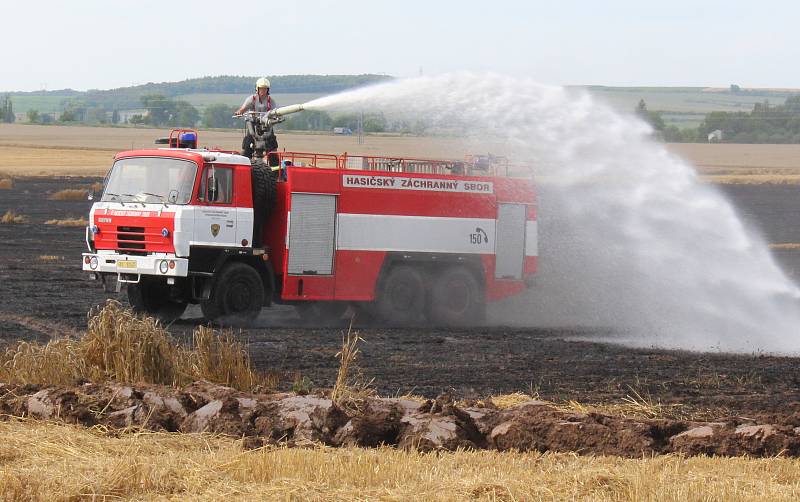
x=43 y=292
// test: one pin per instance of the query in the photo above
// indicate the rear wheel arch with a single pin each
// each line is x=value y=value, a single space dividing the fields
x=215 y=260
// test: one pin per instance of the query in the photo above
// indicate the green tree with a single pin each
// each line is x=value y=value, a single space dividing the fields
x=651 y=117
x=67 y=116
x=158 y=107
x=308 y=121
x=219 y=115
x=33 y=115
x=115 y=116
x=183 y=114
x=164 y=111
x=374 y=122
x=96 y=115
x=6 y=109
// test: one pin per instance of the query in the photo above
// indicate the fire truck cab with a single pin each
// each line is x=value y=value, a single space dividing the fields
x=401 y=240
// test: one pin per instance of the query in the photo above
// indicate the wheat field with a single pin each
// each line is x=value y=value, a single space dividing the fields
x=35 y=150
x=44 y=461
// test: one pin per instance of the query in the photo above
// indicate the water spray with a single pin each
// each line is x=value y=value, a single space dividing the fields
x=630 y=238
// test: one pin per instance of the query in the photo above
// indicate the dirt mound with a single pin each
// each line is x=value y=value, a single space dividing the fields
x=287 y=418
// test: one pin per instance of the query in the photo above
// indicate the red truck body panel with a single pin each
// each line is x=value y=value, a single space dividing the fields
x=375 y=203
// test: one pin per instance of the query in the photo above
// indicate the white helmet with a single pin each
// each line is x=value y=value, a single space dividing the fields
x=262 y=82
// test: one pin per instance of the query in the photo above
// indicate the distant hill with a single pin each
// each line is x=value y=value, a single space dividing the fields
x=129 y=97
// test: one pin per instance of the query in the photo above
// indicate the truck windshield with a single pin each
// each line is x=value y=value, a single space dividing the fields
x=151 y=179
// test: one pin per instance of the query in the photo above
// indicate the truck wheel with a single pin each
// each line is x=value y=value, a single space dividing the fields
x=265 y=193
x=264 y=185
x=456 y=298
x=237 y=295
x=402 y=297
x=320 y=312
x=152 y=298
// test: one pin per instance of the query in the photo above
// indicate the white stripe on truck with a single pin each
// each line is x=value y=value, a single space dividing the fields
x=426 y=234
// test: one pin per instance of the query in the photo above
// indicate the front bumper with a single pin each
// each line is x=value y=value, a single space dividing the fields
x=131 y=268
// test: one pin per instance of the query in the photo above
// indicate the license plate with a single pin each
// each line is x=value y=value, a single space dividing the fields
x=126 y=264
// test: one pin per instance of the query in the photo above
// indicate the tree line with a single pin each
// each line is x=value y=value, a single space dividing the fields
x=765 y=123
x=124 y=98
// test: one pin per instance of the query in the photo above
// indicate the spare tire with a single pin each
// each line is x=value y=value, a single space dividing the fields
x=265 y=193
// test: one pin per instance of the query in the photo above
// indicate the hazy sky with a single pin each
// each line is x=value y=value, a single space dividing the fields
x=105 y=44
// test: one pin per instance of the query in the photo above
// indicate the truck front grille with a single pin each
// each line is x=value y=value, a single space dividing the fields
x=130 y=238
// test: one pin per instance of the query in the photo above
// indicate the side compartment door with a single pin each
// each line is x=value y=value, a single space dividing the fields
x=312 y=234
x=510 y=241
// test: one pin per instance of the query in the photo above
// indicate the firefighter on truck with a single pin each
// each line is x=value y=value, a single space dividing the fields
x=261 y=101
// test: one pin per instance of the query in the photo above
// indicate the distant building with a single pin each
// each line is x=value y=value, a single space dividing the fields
x=715 y=136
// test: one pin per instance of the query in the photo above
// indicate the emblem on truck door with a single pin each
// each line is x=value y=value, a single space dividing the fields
x=214 y=229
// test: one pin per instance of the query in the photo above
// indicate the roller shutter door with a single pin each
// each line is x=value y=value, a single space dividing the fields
x=510 y=244
x=312 y=231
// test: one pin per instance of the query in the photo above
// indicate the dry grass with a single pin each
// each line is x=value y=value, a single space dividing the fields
x=44 y=461
x=75 y=150
x=119 y=346
x=70 y=194
x=785 y=245
x=6 y=184
x=633 y=405
x=68 y=222
x=221 y=358
x=13 y=218
x=754 y=179
x=350 y=386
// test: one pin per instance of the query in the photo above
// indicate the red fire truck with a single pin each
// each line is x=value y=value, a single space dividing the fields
x=403 y=240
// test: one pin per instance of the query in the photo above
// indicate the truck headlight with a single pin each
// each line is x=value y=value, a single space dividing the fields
x=93 y=263
x=163 y=266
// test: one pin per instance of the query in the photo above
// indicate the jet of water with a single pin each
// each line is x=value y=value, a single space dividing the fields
x=630 y=239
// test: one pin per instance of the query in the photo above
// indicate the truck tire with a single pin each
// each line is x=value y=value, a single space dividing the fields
x=237 y=295
x=265 y=193
x=264 y=185
x=402 y=297
x=321 y=312
x=457 y=298
x=151 y=297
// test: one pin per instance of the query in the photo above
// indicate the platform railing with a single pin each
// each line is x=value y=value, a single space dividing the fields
x=473 y=165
